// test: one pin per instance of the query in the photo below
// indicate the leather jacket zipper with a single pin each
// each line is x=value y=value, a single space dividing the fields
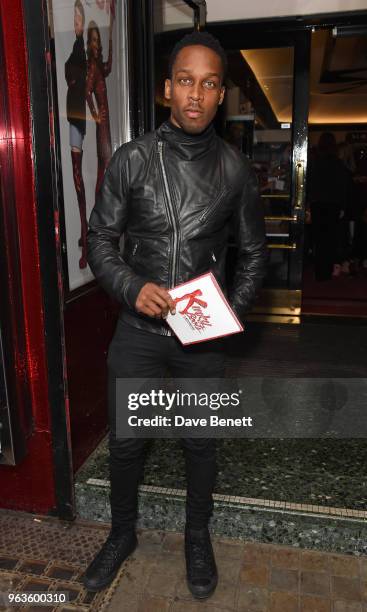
x=213 y=206
x=172 y=214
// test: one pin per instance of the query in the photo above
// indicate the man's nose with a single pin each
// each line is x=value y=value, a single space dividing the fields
x=196 y=93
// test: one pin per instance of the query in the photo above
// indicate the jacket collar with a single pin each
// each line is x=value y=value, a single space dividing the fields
x=188 y=146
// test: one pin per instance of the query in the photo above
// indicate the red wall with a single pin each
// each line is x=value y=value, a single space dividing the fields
x=29 y=485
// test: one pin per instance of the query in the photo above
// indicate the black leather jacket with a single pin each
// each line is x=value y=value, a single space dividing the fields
x=173 y=196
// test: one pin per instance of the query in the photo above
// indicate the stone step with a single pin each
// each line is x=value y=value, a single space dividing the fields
x=257 y=520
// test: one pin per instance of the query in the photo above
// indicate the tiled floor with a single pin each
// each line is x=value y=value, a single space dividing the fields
x=43 y=553
x=252 y=578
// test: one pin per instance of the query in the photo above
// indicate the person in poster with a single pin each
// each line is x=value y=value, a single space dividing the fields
x=75 y=75
x=97 y=72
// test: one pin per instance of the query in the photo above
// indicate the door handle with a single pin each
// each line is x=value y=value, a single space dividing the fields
x=293 y=219
x=300 y=180
x=290 y=247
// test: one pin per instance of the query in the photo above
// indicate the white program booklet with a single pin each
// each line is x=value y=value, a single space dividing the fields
x=202 y=311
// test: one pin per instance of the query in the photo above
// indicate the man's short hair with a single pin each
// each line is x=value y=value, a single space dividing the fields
x=198 y=38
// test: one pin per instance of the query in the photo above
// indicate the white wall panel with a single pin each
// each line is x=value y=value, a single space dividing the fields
x=241 y=9
x=171 y=14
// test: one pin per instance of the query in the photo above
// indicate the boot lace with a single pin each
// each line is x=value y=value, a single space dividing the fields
x=110 y=551
x=201 y=555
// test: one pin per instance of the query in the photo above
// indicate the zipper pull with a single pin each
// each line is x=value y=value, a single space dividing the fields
x=135 y=248
x=213 y=257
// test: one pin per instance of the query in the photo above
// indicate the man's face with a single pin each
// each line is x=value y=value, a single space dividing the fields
x=195 y=89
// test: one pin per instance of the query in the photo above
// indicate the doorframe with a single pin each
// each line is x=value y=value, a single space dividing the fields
x=278 y=304
x=15 y=400
x=50 y=258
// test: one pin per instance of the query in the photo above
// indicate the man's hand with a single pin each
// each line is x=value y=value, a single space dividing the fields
x=155 y=301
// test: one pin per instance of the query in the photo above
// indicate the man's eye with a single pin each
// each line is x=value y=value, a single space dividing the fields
x=210 y=84
x=185 y=81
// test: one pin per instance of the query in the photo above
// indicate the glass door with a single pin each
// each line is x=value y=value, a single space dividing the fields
x=266 y=117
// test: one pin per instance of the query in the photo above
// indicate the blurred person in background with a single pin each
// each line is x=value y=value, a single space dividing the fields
x=328 y=182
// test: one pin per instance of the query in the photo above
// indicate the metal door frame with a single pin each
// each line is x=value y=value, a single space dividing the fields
x=283 y=305
x=200 y=12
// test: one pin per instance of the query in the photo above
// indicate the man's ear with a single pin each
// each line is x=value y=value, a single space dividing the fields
x=221 y=95
x=167 y=89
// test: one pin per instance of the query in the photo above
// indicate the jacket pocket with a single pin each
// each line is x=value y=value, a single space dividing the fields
x=209 y=210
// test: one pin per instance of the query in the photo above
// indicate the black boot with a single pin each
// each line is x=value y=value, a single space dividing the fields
x=202 y=575
x=76 y=158
x=106 y=564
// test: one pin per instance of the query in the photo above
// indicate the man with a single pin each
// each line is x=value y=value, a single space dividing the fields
x=172 y=193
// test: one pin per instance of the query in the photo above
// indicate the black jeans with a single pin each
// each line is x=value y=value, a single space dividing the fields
x=134 y=353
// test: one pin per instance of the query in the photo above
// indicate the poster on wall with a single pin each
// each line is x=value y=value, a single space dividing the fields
x=92 y=90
